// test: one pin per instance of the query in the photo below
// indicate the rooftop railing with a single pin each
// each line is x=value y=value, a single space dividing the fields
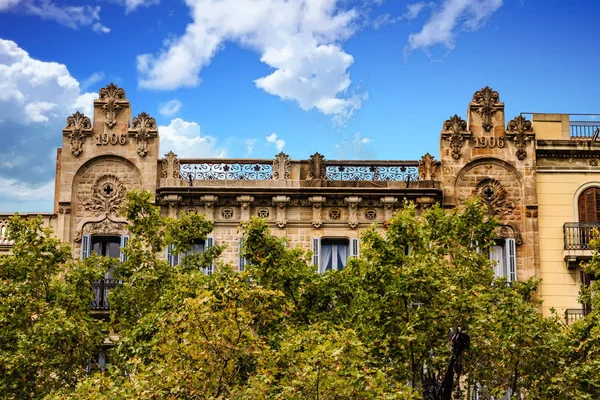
x=402 y=171
x=220 y=169
x=585 y=130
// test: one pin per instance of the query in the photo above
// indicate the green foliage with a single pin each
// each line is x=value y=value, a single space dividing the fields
x=46 y=332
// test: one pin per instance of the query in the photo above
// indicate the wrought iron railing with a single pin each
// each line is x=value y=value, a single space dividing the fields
x=578 y=235
x=401 y=171
x=575 y=314
x=100 y=289
x=222 y=169
x=584 y=129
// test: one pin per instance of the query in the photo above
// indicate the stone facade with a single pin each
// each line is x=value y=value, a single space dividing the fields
x=528 y=172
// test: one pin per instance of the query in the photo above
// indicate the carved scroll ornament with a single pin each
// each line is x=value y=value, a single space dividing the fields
x=282 y=166
x=454 y=129
x=144 y=131
x=316 y=167
x=317 y=206
x=108 y=195
x=78 y=128
x=281 y=202
x=486 y=104
x=353 y=202
x=113 y=97
x=428 y=167
x=519 y=131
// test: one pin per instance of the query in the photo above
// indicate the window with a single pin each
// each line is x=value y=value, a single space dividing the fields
x=503 y=255
x=332 y=253
x=589 y=205
x=242 y=261
x=199 y=246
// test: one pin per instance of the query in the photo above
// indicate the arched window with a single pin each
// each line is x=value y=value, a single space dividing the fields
x=589 y=205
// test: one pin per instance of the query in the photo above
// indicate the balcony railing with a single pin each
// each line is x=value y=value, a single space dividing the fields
x=101 y=289
x=401 y=171
x=579 y=234
x=220 y=169
x=584 y=129
x=575 y=314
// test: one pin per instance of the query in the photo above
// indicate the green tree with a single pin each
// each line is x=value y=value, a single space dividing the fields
x=47 y=334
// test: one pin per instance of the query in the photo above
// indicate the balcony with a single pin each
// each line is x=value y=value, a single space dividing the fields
x=584 y=130
x=575 y=314
x=100 y=289
x=578 y=235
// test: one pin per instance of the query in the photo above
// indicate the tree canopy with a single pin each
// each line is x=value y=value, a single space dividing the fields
x=377 y=329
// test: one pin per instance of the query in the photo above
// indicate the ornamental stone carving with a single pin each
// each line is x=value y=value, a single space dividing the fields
x=282 y=166
x=209 y=205
x=485 y=102
x=113 y=98
x=494 y=196
x=316 y=167
x=454 y=130
x=170 y=167
x=108 y=195
x=519 y=131
x=353 y=202
x=78 y=128
x=173 y=201
x=281 y=202
x=428 y=168
x=104 y=227
x=144 y=131
x=227 y=213
x=317 y=206
x=389 y=203
x=245 y=202
x=263 y=213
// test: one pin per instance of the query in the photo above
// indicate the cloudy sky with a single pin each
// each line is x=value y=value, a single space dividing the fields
x=249 y=78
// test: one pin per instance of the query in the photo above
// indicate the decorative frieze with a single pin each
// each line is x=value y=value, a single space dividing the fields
x=281 y=203
x=170 y=168
x=454 y=130
x=113 y=98
x=353 y=202
x=143 y=131
x=486 y=103
x=317 y=206
x=78 y=128
x=245 y=202
x=519 y=131
x=282 y=167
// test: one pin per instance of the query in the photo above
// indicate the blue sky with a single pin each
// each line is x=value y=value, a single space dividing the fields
x=241 y=78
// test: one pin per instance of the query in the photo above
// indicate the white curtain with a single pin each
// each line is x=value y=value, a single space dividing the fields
x=497 y=258
x=342 y=256
x=326 y=252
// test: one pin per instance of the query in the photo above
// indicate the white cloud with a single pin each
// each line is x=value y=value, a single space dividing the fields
x=169 y=108
x=412 y=11
x=7 y=4
x=250 y=143
x=185 y=139
x=278 y=142
x=92 y=79
x=20 y=191
x=36 y=97
x=445 y=22
x=132 y=5
x=355 y=147
x=299 y=39
x=99 y=28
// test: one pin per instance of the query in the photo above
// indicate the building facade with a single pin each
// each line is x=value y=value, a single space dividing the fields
x=537 y=173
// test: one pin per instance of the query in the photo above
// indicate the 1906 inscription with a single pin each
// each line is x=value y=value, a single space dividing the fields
x=490 y=142
x=112 y=138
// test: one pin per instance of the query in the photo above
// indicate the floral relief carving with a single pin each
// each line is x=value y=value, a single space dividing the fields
x=494 y=196
x=282 y=166
x=428 y=167
x=170 y=167
x=454 y=129
x=144 y=131
x=486 y=104
x=113 y=97
x=108 y=195
x=316 y=167
x=519 y=131
x=104 y=227
x=78 y=128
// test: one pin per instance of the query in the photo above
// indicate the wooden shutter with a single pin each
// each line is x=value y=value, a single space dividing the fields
x=86 y=244
x=510 y=250
x=589 y=205
x=172 y=259
x=354 y=250
x=316 y=249
x=242 y=260
x=124 y=240
x=209 y=244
